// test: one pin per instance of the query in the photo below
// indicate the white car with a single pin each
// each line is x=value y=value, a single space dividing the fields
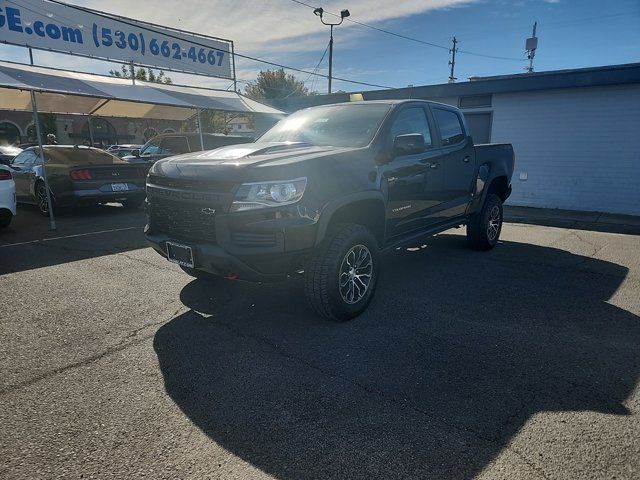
x=7 y=196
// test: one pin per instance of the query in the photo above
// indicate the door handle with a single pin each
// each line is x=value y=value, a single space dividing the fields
x=466 y=159
x=434 y=165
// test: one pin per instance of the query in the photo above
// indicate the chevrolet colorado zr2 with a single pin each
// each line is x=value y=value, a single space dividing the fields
x=325 y=191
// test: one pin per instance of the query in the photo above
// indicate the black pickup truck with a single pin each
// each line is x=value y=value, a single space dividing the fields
x=324 y=192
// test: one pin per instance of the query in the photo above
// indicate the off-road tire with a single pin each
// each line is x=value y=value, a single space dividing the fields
x=484 y=227
x=323 y=272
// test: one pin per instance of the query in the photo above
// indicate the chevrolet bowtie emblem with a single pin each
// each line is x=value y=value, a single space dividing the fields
x=208 y=211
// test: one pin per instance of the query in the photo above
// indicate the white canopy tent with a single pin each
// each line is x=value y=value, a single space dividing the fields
x=62 y=91
x=28 y=88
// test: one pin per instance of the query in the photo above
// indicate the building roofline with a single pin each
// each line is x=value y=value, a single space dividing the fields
x=624 y=74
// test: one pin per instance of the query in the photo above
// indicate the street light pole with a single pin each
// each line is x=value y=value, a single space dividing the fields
x=343 y=14
x=330 y=60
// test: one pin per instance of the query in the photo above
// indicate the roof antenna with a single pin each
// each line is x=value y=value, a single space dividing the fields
x=531 y=46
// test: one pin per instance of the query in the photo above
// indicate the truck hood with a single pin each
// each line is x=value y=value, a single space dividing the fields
x=239 y=158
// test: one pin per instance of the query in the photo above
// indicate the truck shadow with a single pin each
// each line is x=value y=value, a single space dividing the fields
x=457 y=351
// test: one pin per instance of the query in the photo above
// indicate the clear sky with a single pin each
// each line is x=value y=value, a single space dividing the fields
x=572 y=34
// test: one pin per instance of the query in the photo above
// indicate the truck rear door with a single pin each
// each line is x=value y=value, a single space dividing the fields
x=457 y=160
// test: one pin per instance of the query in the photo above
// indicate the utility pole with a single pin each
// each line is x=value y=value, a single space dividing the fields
x=531 y=46
x=452 y=62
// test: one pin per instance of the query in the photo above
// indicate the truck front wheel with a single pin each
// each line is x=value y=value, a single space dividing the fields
x=484 y=227
x=342 y=275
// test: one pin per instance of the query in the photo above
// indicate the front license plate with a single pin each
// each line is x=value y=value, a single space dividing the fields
x=119 y=187
x=180 y=254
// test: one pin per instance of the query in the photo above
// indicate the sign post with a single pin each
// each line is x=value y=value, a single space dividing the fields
x=200 y=130
x=36 y=120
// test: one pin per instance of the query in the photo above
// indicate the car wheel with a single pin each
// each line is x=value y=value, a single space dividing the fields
x=199 y=273
x=341 y=277
x=133 y=204
x=483 y=229
x=5 y=218
x=41 y=199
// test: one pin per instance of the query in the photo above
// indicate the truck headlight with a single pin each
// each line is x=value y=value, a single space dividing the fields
x=252 y=196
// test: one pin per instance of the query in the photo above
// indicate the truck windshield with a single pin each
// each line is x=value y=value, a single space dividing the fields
x=351 y=125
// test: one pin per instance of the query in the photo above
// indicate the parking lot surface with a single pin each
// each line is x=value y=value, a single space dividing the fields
x=522 y=362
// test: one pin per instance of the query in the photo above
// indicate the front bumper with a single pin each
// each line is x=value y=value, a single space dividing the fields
x=240 y=250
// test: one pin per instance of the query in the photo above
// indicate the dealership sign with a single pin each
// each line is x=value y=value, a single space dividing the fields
x=58 y=27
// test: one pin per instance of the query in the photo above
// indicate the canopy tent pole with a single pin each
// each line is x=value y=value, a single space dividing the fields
x=233 y=63
x=52 y=220
x=200 y=130
x=90 y=131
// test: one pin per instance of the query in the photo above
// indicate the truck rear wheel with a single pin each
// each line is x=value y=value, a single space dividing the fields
x=341 y=277
x=5 y=217
x=484 y=227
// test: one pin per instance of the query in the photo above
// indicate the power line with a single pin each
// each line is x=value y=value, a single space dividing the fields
x=248 y=57
x=412 y=39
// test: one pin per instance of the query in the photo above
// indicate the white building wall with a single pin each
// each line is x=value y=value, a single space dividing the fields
x=579 y=149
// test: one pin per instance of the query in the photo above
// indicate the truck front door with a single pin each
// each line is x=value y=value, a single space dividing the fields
x=414 y=181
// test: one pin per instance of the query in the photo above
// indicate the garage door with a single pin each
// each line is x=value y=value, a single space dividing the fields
x=575 y=148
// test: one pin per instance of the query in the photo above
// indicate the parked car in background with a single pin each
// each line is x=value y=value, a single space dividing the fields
x=122 y=150
x=324 y=191
x=7 y=196
x=8 y=153
x=77 y=176
x=169 y=144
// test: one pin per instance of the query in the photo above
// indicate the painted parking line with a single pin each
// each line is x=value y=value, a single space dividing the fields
x=70 y=236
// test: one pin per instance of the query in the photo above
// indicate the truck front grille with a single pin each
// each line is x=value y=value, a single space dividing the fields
x=182 y=220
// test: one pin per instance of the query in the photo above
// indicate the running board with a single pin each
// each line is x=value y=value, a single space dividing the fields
x=435 y=229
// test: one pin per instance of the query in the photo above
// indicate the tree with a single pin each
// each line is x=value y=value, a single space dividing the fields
x=276 y=84
x=47 y=125
x=143 y=74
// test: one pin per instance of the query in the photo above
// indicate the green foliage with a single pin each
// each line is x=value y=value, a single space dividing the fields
x=215 y=121
x=143 y=74
x=47 y=124
x=276 y=84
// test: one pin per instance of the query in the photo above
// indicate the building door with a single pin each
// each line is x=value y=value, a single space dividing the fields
x=479 y=126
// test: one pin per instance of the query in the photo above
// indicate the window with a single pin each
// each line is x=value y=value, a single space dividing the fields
x=346 y=125
x=149 y=133
x=451 y=130
x=25 y=158
x=412 y=120
x=9 y=133
x=475 y=101
x=151 y=148
x=175 y=145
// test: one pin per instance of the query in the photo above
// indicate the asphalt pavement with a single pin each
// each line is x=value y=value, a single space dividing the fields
x=519 y=363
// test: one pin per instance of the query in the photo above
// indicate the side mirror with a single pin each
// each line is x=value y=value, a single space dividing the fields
x=136 y=152
x=408 y=144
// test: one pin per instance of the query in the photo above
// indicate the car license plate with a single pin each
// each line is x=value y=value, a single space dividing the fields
x=119 y=187
x=180 y=254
